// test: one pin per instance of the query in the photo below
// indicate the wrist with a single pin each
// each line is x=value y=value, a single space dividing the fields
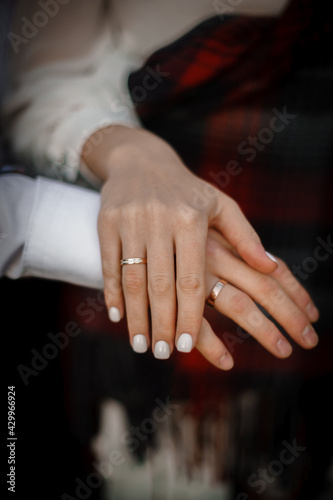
x=99 y=146
x=117 y=147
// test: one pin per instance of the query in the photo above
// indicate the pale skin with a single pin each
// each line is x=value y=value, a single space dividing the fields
x=149 y=209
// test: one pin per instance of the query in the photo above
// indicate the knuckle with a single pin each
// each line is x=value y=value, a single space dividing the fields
x=111 y=275
x=106 y=216
x=303 y=298
x=189 y=216
x=131 y=212
x=292 y=285
x=190 y=283
x=242 y=243
x=267 y=285
x=297 y=320
x=156 y=207
x=160 y=285
x=231 y=203
x=113 y=285
x=109 y=295
x=239 y=303
x=254 y=236
x=298 y=294
x=133 y=282
x=272 y=333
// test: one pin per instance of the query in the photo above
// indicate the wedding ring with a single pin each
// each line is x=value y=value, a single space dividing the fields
x=133 y=260
x=214 y=293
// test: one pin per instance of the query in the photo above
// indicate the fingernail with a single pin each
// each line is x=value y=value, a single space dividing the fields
x=312 y=312
x=162 y=350
x=310 y=337
x=114 y=314
x=284 y=348
x=140 y=343
x=270 y=256
x=226 y=362
x=185 y=343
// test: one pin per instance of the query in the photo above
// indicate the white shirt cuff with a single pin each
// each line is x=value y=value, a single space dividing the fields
x=62 y=236
x=69 y=139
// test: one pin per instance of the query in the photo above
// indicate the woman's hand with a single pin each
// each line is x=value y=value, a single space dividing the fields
x=279 y=293
x=154 y=207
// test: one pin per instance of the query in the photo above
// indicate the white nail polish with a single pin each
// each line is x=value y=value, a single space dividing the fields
x=185 y=343
x=270 y=256
x=114 y=314
x=162 y=350
x=140 y=343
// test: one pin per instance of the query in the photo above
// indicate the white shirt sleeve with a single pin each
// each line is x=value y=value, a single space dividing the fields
x=48 y=229
x=67 y=80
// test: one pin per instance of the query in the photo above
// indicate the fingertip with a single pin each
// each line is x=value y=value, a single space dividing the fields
x=312 y=312
x=271 y=257
x=140 y=343
x=114 y=314
x=162 y=350
x=284 y=348
x=257 y=257
x=310 y=338
x=226 y=361
x=212 y=348
x=185 y=343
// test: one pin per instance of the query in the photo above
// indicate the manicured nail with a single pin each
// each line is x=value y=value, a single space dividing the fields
x=226 y=362
x=140 y=343
x=310 y=337
x=114 y=314
x=284 y=348
x=312 y=312
x=162 y=350
x=185 y=343
x=270 y=256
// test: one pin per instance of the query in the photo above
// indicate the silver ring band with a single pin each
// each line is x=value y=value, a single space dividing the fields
x=133 y=260
x=214 y=293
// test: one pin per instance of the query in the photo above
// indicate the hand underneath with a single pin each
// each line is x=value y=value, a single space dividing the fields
x=279 y=293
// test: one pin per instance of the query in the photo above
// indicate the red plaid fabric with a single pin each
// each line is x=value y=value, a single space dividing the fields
x=243 y=57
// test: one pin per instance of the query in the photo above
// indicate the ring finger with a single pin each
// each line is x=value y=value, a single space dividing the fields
x=239 y=307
